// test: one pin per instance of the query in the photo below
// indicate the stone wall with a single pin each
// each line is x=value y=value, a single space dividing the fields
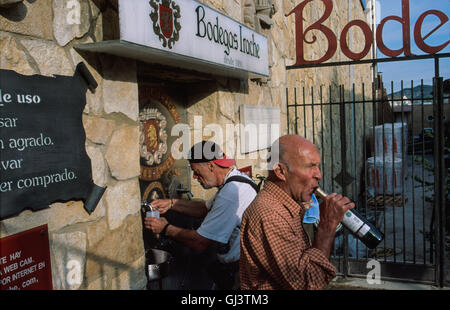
x=222 y=106
x=37 y=37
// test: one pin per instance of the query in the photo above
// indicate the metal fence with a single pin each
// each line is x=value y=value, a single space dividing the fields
x=390 y=155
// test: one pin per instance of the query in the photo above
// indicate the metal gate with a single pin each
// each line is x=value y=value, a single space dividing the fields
x=390 y=155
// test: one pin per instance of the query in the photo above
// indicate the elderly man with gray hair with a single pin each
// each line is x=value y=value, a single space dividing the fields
x=276 y=252
x=221 y=215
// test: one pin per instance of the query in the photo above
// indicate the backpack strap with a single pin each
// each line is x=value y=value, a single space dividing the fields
x=242 y=179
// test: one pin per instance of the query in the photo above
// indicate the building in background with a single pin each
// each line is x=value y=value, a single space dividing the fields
x=147 y=95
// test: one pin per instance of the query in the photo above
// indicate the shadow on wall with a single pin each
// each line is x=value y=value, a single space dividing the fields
x=15 y=13
x=110 y=18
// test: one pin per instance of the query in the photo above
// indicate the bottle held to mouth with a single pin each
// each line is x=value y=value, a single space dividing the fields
x=358 y=225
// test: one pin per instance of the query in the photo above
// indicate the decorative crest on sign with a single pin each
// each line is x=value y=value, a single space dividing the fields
x=165 y=21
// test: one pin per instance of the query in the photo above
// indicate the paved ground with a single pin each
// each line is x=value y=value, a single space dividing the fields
x=361 y=284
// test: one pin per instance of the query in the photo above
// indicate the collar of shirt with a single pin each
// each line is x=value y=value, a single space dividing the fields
x=230 y=173
x=291 y=205
x=233 y=171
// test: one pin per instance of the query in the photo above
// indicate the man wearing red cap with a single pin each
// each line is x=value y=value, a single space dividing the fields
x=222 y=214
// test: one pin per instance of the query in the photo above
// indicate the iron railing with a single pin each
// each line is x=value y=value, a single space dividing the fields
x=364 y=134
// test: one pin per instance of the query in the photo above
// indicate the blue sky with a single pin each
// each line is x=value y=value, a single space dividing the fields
x=392 y=37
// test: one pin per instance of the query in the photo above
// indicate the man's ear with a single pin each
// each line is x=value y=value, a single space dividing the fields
x=280 y=171
x=210 y=165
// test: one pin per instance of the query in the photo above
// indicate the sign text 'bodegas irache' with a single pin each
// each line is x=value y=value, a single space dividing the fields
x=368 y=35
x=42 y=142
x=191 y=32
x=221 y=35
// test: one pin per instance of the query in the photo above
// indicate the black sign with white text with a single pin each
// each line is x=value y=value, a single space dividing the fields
x=42 y=141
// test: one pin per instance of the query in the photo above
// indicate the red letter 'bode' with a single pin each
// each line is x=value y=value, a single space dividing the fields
x=406 y=30
x=300 y=35
x=418 y=35
x=368 y=35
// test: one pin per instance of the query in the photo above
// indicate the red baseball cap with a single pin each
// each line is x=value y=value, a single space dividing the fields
x=224 y=161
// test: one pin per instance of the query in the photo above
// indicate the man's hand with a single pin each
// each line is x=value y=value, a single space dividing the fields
x=162 y=205
x=333 y=209
x=155 y=224
x=188 y=237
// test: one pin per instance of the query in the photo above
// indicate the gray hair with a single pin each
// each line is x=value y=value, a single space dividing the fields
x=277 y=155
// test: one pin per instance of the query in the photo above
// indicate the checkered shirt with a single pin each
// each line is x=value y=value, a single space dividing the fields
x=276 y=252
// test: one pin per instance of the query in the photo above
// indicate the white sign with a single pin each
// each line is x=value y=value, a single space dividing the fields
x=260 y=127
x=190 y=28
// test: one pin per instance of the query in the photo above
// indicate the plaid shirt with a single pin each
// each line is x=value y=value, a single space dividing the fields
x=276 y=252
